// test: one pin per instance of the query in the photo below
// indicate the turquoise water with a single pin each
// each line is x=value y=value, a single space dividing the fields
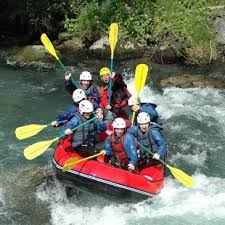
x=194 y=122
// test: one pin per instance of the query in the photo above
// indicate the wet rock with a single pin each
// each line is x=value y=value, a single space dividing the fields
x=189 y=81
x=36 y=53
x=20 y=185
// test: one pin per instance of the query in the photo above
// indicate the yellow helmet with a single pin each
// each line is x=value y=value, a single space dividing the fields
x=104 y=70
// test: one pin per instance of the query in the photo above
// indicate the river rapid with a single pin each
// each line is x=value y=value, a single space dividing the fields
x=194 y=127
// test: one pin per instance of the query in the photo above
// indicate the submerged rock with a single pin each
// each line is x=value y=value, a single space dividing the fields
x=19 y=188
x=189 y=81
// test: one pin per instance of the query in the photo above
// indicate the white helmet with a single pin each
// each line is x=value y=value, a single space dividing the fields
x=119 y=123
x=86 y=106
x=85 y=75
x=79 y=95
x=133 y=100
x=143 y=117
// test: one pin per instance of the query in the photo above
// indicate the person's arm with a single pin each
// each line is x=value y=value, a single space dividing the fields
x=160 y=142
x=107 y=146
x=68 y=128
x=131 y=150
x=101 y=126
x=67 y=115
x=70 y=86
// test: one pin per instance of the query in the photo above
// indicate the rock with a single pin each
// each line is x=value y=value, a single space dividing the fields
x=32 y=53
x=219 y=27
x=124 y=50
x=20 y=187
x=133 y=49
x=189 y=81
x=100 y=48
x=64 y=36
x=166 y=54
x=72 y=46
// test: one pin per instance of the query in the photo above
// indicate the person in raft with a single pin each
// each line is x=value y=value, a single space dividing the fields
x=78 y=96
x=86 y=84
x=85 y=139
x=138 y=107
x=150 y=136
x=119 y=93
x=120 y=147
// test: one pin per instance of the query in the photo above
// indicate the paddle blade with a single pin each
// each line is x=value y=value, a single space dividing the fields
x=113 y=35
x=140 y=77
x=28 y=131
x=33 y=151
x=70 y=163
x=48 y=45
x=185 y=179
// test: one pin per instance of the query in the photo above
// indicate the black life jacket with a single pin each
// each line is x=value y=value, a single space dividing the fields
x=85 y=135
x=147 y=140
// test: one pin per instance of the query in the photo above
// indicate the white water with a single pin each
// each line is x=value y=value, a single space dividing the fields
x=193 y=117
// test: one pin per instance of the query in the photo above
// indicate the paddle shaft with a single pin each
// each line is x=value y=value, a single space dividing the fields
x=66 y=70
x=110 y=80
x=84 y=159
x=133 y=114
x=61 y=64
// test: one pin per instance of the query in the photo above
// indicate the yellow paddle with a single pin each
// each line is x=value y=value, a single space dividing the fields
x=113 y=36
x=180 y=175
x=49 y=46
x=70 y=163
x=30 y=130
x=36 y=149
x=139 y=79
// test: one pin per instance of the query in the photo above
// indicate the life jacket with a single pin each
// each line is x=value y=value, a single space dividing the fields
x=89 y=92
x=118 y=149
x=147 y=140
x=85 y=135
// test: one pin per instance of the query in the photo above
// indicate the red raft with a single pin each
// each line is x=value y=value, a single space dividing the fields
x=97 y=176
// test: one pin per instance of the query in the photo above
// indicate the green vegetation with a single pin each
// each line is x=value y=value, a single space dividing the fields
x=148 y=21
x=151 y=22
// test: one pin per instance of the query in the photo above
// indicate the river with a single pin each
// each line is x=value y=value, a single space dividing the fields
x=194 y=127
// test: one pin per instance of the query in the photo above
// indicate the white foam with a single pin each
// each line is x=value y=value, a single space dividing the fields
x=204 y=203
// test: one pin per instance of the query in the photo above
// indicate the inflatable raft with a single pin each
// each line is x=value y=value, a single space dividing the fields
x=98 y=176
